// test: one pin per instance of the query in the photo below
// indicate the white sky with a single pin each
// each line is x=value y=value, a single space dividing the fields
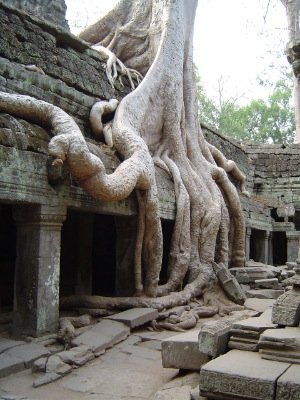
x=232 y=41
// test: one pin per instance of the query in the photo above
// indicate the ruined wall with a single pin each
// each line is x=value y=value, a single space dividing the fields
x=52 y=11
x=277 y=172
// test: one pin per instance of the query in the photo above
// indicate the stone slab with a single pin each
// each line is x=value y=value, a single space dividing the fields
x=264 y=293
x=242 y=375
x=214 y=335
x=288 y=385
x=266 y=283
x=182 y=352
x=6 y=344
x=103 y=335
x=28 y=353
x=135 y=316
x=259 y=305
x=287 y=336
x=10 y=365
x=259 y=324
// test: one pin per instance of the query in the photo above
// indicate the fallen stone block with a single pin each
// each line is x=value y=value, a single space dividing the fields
x=242 y=375
x=39 y=365
x=77 y=355
x=56 y=365
x=271 y=283
x=214 y=335
x=182 y=352
x=258 y=324
x=288 y=385
x=135 y=316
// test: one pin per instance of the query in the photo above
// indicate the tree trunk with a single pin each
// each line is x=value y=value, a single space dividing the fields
x=292 y=8
x=157 y=124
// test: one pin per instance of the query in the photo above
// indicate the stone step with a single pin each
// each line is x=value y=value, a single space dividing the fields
x=259 y=305
x=135 y=316
x=242 y=375
x=182 y=351
x=264 y=293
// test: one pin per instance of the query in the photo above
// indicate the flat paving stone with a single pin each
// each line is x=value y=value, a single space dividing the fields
x=182 y=352
x=28 y=353
x=259 y=305
x=288 y=385
x=240 y=374
x=264 y=293
x=10 y=365
x=135 y=316
x=6 y=344
x=103 y=335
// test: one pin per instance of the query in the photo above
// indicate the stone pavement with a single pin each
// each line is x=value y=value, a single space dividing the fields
x=131 y=369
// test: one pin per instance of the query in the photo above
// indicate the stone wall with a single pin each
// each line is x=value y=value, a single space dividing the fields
x=276 y=173
x=53 y=11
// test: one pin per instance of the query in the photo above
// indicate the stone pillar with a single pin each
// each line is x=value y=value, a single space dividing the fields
x=270 y=248
x=84 y=260
x=293 y=238
x=125 y=244
x=247 y=244
x=265 y=250
x=36 y=299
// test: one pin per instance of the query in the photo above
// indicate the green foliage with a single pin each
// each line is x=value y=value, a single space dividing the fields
x=260 y=121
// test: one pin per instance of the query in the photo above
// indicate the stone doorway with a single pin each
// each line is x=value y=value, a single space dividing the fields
x=279 y=248
x=7 y=257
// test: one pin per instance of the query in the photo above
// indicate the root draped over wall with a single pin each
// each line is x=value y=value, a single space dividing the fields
x=156 y=124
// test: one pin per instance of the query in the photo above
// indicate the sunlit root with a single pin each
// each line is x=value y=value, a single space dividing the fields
x=98 y=110
x=112 y=65
x=229 y=166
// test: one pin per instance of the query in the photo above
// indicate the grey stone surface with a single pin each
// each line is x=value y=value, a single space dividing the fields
x=6 y=344
x=288 y=385
x=259 y=305
x=182 y=351
x=178 y=393
x=10 y=364
x=271 y=283
x=79 y=355
x=264 y=293
x=27 y=353
x=56 y=365
x=214 y=335
x=135 y=316
x=39 y=365
x=259 y=324
x=286 y=310
x=103 y=335
x=242 y=375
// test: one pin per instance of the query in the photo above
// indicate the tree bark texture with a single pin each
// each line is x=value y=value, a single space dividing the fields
x=156 y=124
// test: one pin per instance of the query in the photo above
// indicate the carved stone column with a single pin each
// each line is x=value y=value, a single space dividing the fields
x=247 y=244
x=270 y=248
x=36 y=299
x=265 y=251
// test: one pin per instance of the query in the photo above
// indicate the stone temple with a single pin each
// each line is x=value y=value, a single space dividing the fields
x=44 y=214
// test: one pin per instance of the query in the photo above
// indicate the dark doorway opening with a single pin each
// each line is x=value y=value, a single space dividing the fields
x=279 y=248
x=257 y=245
x=167 y=230
x=7 y=257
